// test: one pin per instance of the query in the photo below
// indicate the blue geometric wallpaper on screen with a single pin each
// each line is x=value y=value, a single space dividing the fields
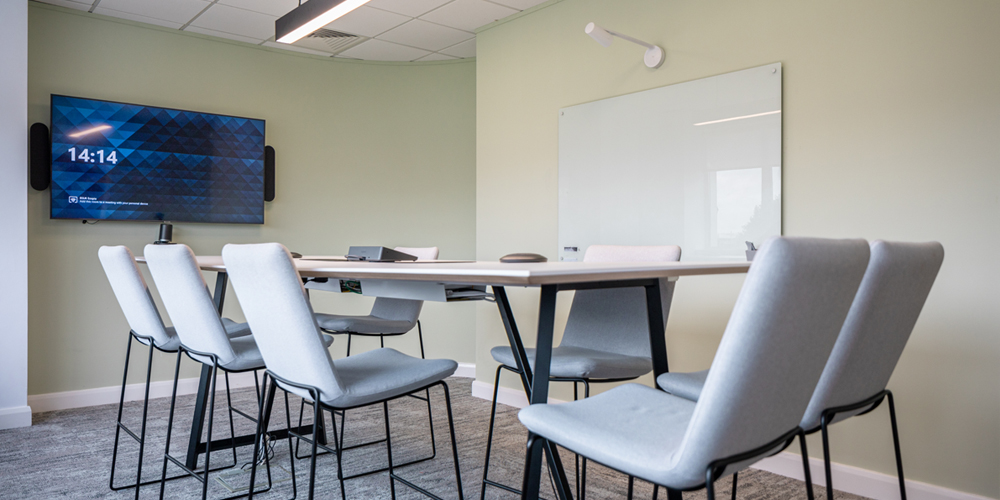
x=128 y=162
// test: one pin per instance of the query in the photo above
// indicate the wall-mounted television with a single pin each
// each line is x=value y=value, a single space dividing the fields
x=117 y=161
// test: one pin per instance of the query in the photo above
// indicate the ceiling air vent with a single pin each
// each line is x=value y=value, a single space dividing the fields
x=329 y=41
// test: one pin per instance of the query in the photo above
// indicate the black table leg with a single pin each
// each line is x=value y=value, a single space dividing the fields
x=198 y=422
x=658 y=299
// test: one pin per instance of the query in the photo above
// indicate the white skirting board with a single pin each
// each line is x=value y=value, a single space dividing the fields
x=846 y=478
x=134 y=392
x=18 y=416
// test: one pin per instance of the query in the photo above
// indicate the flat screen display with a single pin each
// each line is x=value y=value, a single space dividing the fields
x=116 y=161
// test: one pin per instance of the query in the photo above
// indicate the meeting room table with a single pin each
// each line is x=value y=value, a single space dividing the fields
x=657 y=278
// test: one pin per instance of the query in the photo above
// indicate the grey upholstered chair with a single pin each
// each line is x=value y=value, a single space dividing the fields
x=606 y=339
x=763 y=375
x=202 y=336
x=275 y=303
x=148 y=329
x=887 y=305
x=388 y=318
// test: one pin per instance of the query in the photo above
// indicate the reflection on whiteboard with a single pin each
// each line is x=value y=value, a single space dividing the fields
x=696 y=164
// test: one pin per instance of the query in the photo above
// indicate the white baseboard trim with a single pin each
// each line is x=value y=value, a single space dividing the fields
x=860 y=481
x=12 y=418
x=466 y=370
x=133 y=392
x=846 y=478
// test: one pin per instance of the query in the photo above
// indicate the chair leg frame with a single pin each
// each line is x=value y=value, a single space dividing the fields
x=202 y=476
x=141 y=437
x=318 y=406
x=826 y=419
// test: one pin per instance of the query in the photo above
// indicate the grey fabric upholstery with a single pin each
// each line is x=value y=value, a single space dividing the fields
x=388 y=316
x=189 y=304
x=579 y=362
x=882 y=316
x=607 y=334
x=760 y=383
x=137 y=303
x=275 y=303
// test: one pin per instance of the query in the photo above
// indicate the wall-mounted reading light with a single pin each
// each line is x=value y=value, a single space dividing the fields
x=654 y=54
x=310 y=17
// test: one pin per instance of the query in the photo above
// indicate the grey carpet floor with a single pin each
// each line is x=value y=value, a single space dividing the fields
x=67 y=454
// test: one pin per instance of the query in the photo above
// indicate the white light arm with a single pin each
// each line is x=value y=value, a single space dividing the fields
x=654 y=54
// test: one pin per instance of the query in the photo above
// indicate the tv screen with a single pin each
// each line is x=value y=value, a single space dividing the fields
x=116 y=161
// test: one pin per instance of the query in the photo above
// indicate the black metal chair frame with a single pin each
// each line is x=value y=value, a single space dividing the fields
x=343 y=415
x=826 y=419
x=141 y=437
x=318 y=406
x=581 y=473
x=211 y=414
x=713 y=472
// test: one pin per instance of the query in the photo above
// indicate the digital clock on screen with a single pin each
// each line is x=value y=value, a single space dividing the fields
x=95 y=156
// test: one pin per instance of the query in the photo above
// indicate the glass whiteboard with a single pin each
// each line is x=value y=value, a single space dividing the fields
x=696 y=164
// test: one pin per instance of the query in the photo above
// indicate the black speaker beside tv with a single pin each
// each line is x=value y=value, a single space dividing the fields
x=40 y=159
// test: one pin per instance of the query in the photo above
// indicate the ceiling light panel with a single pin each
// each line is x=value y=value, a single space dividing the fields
x=236 y=21
x=468 y=14
x=380 y=50
x=270 y=7
x=366 y=21
x=175 y=11
x=412 y=8
x=425 y=35
x=137 y=18
x=464 y=49
x=519 y=4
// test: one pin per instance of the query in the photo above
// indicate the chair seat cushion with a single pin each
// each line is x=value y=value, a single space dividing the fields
x=363 y=324
x=579 y=362
x=684 y=385
x=233 y=330
x=385 y=373
x=633 y=428
x=247 y=354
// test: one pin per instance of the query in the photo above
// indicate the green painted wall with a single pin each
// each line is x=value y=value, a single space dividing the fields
x=891 y=124
x=377 y=154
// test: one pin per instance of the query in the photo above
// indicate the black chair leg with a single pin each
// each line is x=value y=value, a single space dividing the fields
x=709 y=485
x=118 y=422
x=317 y=414
x=388 y=451
x=489 y=434
x=806 y=469
x=631 y=485
x=264 y=405
x=170 y=424
x=735 y=481
x=454 y=442
x=826 y=457
x=895 y=443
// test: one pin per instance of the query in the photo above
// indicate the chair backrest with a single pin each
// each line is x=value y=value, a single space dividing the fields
x=132 y=293
x=187 y=299
x=275 y=304
x=404 y=309
x=887 y=305
x=782 y=329
x=614 y=319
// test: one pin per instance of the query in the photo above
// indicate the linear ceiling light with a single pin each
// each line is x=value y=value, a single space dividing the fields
x=654 y=54
x=311 y=16
x=738 y=118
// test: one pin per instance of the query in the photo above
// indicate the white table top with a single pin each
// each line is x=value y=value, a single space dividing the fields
x=496 y=273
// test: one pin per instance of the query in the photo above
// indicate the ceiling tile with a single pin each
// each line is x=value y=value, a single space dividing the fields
x=69 y=3
x=269 y=7
x=464 y=49
x=437 y=57
x=222 y=34
x=425 y=35
x=468 y=14
x=237 y=22
x=137 y=18
x=379 y=50
x=412 y=8
x=285 y=46
x=175 y=11
x=366 y=21
x=519 y=4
